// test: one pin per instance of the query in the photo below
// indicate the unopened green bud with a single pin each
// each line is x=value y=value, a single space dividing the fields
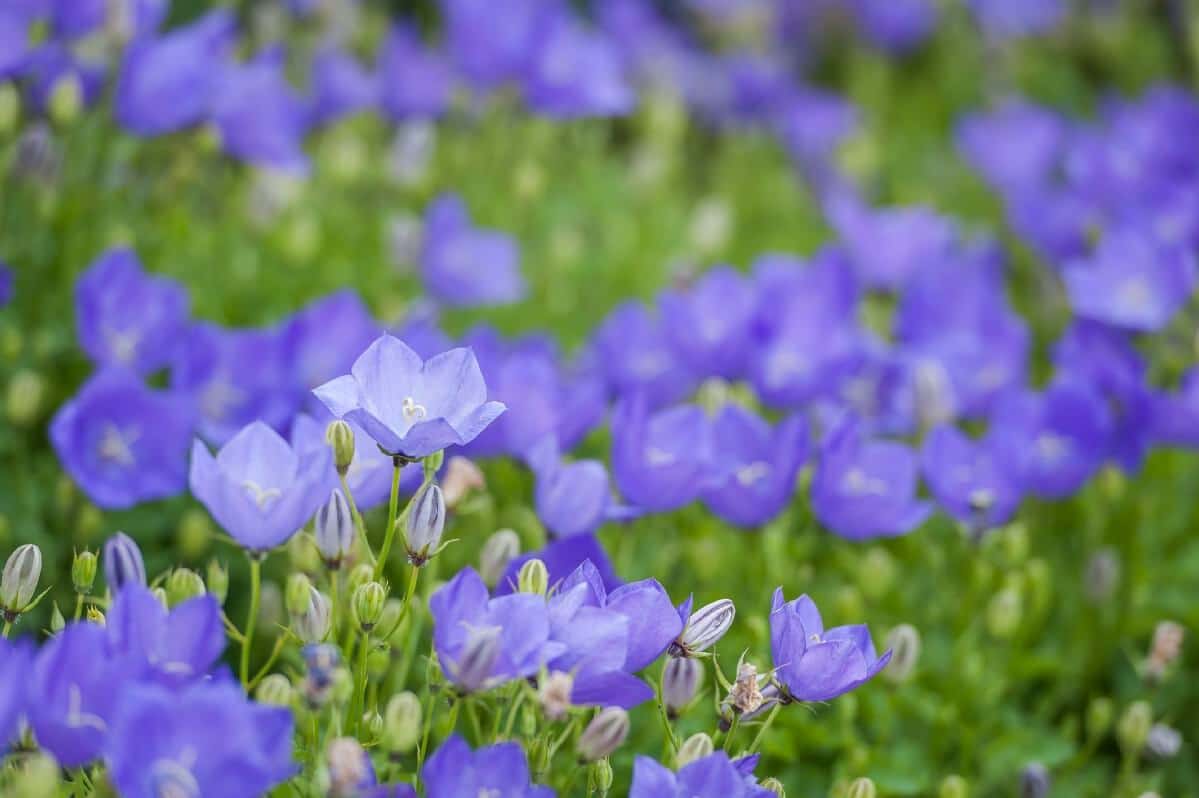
x=393 y=608
x=1004 y=612
x=359 y=576
x=343 y=686
x=432 y=464
x=378 y=662
x=953 y=786
x=57 y=622
x=218 y=581
x=18 y=584
x=275 y=690
x=367 y=602
x=775 y=786
x=1099 y=717
x=66 y=99
x=861 y=788
x=83 y=571
x=533 y=578
x=372 y=724
x=904 y=642
x=36 y=776
x=315 y=622
x=1133 y=729
x=877 y=574
x=340 y=437
x=160 y=594
x=26 y=390
x=402 y=723
x=695 y=747
x=601 y=775
x=183 y=584
x=194 y=533
x=499 y=550
x=10 y=108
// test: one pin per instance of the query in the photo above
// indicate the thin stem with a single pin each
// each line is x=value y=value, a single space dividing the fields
x=252 y=618
x=358 y=705
x=667 y=729
x=279 y=642
x=7 y=628
x=359 y=524
x=392 y=506
x=728 y=737
x=334 y=596
x=78 y=605
x=472 y=712
x=520 y=697
x=761 y=735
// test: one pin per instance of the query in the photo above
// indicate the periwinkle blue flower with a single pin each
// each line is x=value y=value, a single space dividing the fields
x=53 y=65
x=823 y=291
x=490 y=50
x=15 y=43
x=463 y=265
x=576 y=72
x=1013 y=146
x=710 y=324
x=123 y=563
x=561 y=558
x=896 y=26
x=122 y=442
x=713 y=776
x=812 y=123
x=6 y=284
x=171 y=647
x=322 y=340
x=754 y=465
x=1056 y=221
x=16 y=660
x=968 y=478
x=1013 y=19
x=369 y=474
x=863 y=488
x=415 y=82
x=660 y=460
x=261 y=119
x=258 y=488
x=817 y=664
x=804 y=360
x=634 y=354
x=340 y=86
x=410 y=406
x=1175 y=415
x=455 y=770
x=208 y=739
x=126 y=317
x=572 y=498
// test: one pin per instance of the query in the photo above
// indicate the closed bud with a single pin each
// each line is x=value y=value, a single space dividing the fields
x=604 y=734
x=218 y=581
x=340 y=437
x=1034 y=781
x=333 y=528
x=426 y=524
x=1133 y=729
x=275 y=690
x=183 y=584
x=554 y=692
x=342 y=687
x=57 y=621
x=1102 y=575
x=705 y=627
x=372 y=724
x=1099 y=717
x=681 y=679
x=349 y=768
x=123 y=563
x=775 y=786
x=953 y=786
x=35 y=776
x=694 y=748
x=861 y=788
x=533 y=578
x=904 y=642
x=500 y=549
x=877 y=575
x=359 y=576
x=472 y=672
x=10 y=108
x=1163 y=741
x=602 y=776
x=1004 y=612
x=314 y=623
x=367 y=602
x=18 y=585
x=402 y=723
x=26 y=391
x=66 y=99
x=194 y=534
x=462 y=477
x=297 y=595
x=83 y=571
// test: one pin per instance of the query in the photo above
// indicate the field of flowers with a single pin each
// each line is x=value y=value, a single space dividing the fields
x=503 y=398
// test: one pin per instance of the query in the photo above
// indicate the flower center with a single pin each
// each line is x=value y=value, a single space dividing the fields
x=261 y=496
x=219 y=396
x=1052 y=447
x=115 y=446
x=413 y=411
x=1135 y=295
x=754 y=472
x=658 y=457
x=858 y=483
x=76 y=717
x=122 y=344
x=172 y=778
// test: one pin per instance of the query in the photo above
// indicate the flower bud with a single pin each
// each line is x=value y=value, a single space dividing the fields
x=298 y=594
x=1102 y=575
x=402 y=723
x=1163 y=742
x=340 y=437
x=1034 y=781
x=861 y=788
x=372 y=724
x=1133 y=729
x=462 y=477
x=350 y=769
x=775 y=786
x=183 y=584
x=1099 y=717
x=66 y=99
x=904 y=642
x=393 y=608
x=275 y=690
x=83 y=571
x=695 y=747
x=321 y=663
x=333 y=527
x=342 y=686
x=18 y=585
x=533 y=577
x=1005 y=612
x=604 y=734
x=953 y=786
x=472 y=672
x=705 y=627
x=57 y=622
x=218 y=581
x=426 y=524
x=368 y=601
x=123 y=563
x=500 y=549
x=35 y=776
x=877 y=575
x=313 y=624
x=554 y=693
x=26 y=390
x=194 y=534
x=681 y=679
x=1165 y=649
x=359 y=575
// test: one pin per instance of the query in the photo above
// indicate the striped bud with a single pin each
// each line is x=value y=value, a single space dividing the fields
x=19 y=582
x=680 y=682
x=705 y=627
x=333 y=528
x=123 y=563
x=426 y=524
x=604 y=734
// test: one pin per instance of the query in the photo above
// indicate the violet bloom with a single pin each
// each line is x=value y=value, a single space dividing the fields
x=206 y=740
x=572 y=498
x=1013 y=19
x=635 y=355
x=1175 y=419
x=370 y=472
x=261 y=119
x=464 y=265
x=561 y=558
x=409 y=406
x=323 y=339
x=864 y=489
x=172 y=647
x=6 y=284
x=811 y=124
x=415 y=82
x=660 y=461
x=491 y=49
x=713 y=776
x=815 y=664
x=258 y=488
x=1131 y=282
x=710 y=325
x=168 y=83
x=896 y=26
x=340 y=86
x=122 y=442
x=969 y=479
x=16 y=45
x=1057 y=222
x=126 y=317
x=54 y=63
x=16 y=660
x=755 y=466
x=576 y=72
x=454 y=771
x=483 y=642
x=1013 y=146
x=79 y=18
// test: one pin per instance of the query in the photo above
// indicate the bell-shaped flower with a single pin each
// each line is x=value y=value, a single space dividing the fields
x=713 y=776
x=633 y=352
x=969 y=479
x=464 y=265
x=259 y=117
x=1175 y=419
x=322 y=340
x=576 y=72
x=415 y=82
x=409 y=406
x=258 y=488
x=16 y=661
x=660 y=460
x=455 y=770
x=572 y=498
x=755 y=466
x=340 y=86
x=169 y=647
x=711 y=323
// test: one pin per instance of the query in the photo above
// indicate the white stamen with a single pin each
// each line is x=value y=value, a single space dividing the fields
x=1052 y=447
x=115 y=446
x=262 y=497
x=754 y=472
x=658 y=457
x=1135 y=295
x=858 y=483
x=122 y=344
x=412 y=411
x=76 y=717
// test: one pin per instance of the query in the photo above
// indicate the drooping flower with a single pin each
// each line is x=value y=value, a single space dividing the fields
x=711 y=323
x=754 y=465
x=572 y=498
x=123 y=563
x=815 y=664
x=122 y=442
x=455 y=770
x=125 y=317
x=16 y=659
x=464 y=265
x=713 y=776
x=660 y=461
x=409 y=406
x=258 y=488
x=206 y=740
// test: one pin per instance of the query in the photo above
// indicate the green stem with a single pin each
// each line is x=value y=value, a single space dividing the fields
x=671 y=743
x=761 y=735
x=472 y=712
x=252 y=618
x=78 y=605
x=265 y=669
x=359 y=524
x=7 y=628
x=334 y=597
x=392 y=507
x=357 y=707
x=728 y=738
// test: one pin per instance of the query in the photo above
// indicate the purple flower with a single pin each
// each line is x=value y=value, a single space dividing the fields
x=754 y=467
x=823 y=290
x=660 y=461
x=122 y=442
x=128 y=318
x=1175 y=419
x=968 y=478
x=710 y=325
x=492 y=49
x=1131 y=282
x=370 y=472
x=805 y=359
x=55 y=62
x=482 y=642
x=1014 y=146
x=340 y=86
x=576 y=72
x=887 y=245
x=863 y=489
x=16 y=660
x=455 y=771
x=409 y=406
x=206 y=740
x=714 y=776
x=415 y=82
x=323 y=340
x=896 y=26
x=466 y=266
x=635 y=355
x=1012 y=19
x=258 y=488
x=572 y=498
x=812 y=124
x=561 y=558
x=78 y=18
x=1056 y=222
x=260 y=117
x=170 y=648
x=6 y=284
x=814 y=664
x=16 y=45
